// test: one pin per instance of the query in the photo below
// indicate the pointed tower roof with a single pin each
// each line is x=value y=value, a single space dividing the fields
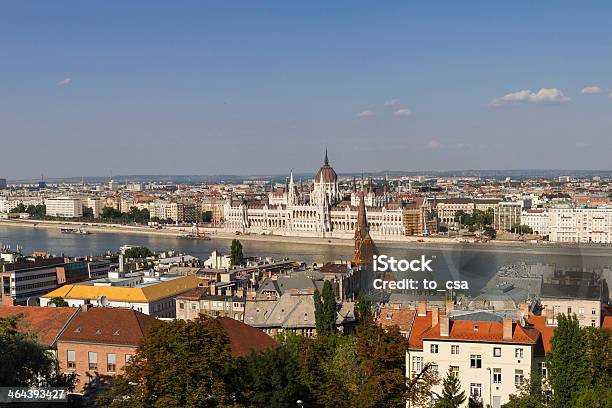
x=326 y=173
x=365 y=248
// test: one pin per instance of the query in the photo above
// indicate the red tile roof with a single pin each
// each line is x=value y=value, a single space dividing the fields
x=245 y=339
x=402 y=318
x=108 y=326
x=45 y=323
x=486 y=332
x=546 y=332
x=607 y=322
x=421 y=325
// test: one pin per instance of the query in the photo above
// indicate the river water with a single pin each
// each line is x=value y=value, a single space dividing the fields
x=454 y=263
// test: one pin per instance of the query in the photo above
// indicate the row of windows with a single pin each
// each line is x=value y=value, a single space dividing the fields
x=518 y=352
x=37 y=276
x=92 y=360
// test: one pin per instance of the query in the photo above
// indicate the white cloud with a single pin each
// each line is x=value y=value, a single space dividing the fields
x=403 y=112
x=544 y=95
x=392 y=102
x=591 y=90
x=65 y=81
x=366 y=114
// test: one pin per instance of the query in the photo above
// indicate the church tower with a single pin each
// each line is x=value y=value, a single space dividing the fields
x=365 y=248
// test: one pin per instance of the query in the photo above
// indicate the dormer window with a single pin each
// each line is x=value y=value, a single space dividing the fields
x=77 y=330
x=116 y=333
x=99 y=331
x=475 y=328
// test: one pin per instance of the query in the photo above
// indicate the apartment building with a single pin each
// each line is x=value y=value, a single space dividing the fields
x=584 y=301
x=197 y=301
x=154 y=296
x=507 y=215
x=64 y=207
x=2 y=183
x=25 y=280
x=568 y=223
x=9 y=203
x=92 y=206
x=447 y=208
x=177 y=212
x=489 y=354
x=537 y=220
x=100 y=341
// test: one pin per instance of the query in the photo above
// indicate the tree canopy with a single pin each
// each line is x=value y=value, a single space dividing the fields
x=236 y=255
x=138 y=252
x=26 y=362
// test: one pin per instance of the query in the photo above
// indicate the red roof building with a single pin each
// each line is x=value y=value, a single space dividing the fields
x=46 y=323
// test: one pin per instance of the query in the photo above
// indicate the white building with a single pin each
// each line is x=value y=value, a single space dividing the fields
x=64 y=207
x=93 y=206
x=491 y=358
x=154 y=296
x=568 y=223
x=323 y=211
x=537 y=220
x=8 y=203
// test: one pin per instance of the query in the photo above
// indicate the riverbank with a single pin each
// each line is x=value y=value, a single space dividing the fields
x=415 y=243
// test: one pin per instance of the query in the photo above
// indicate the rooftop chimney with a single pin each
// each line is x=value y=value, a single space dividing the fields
x=507 y=329
x=450 y=305
x=422 y=308
x=435 y=315
x=444 y=326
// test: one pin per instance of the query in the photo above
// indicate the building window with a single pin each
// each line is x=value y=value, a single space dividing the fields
x=496 y=351
x=569 y=310
x=434 y=368
x=417 y=365
x=593 y=323
x=476 y=390
x=71 y=359
x=128 y=357
x=518 y=353
x=434 y=349
x=518 y=377
x=475 y=361
x=111 y=362
x=92 y=358
x=593 y=311
x=581 y=310
x=181 y=305
x=455 y=370
x=543 y=369
x=497 y=376
x=454 y=349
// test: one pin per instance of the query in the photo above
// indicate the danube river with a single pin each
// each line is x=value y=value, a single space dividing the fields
x=449 y=263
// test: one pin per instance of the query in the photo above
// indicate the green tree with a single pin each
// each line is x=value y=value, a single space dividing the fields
x=452 y=395
x=268 y=379
x=326 y=310
x=26 y=362
x=177 y=364
x=600 y=397
x=236 y=255
x=529 y=395
x=19 y=208
x=567 y=362
x=138 y=252
x=58 y=302
x=363 y=309
x=475 y=402
x=110 y=213
x=598 y=354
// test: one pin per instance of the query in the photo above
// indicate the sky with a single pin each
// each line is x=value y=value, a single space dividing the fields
x=242 y=87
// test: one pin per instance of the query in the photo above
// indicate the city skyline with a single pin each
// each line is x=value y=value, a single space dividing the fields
x=259 y=89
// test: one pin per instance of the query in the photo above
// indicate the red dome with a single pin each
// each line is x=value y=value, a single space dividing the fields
x=328 y=173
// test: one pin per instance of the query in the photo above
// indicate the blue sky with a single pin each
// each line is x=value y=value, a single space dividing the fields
x=87 y=88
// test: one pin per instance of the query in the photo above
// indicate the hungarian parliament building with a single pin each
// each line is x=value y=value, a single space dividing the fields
x=321 y=211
